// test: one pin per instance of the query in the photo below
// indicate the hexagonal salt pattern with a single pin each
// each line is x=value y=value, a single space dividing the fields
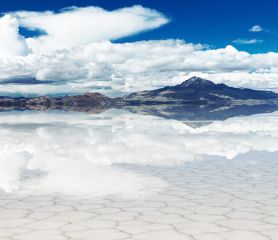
x=74 y=176
x=212 y=199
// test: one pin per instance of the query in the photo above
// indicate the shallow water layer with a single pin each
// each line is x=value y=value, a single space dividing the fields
x=119 y=175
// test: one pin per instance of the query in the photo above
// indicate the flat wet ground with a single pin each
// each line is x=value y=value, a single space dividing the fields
x=215 y=199
x=229 y=191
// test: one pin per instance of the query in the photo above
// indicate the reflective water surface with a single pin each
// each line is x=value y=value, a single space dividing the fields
x=122 y=175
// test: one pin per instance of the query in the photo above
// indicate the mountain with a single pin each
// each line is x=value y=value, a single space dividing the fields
x=200 y=100
x=89 y=102
x=198 y=91
x=195 y=100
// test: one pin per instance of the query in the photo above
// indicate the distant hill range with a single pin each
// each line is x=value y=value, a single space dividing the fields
x=199 y=91
x=194 y=99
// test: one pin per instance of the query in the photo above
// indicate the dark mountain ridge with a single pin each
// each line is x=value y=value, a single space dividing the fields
x=199 y=91
x=194 y=99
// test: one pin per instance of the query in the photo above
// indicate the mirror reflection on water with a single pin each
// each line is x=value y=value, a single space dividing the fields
x=75 y=153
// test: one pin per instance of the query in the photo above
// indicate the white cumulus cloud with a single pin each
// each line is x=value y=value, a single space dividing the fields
x=76 y=26
x=77 y=54
x=11 y=44
x=256 y=28
x=127 y=67
x=247 y=41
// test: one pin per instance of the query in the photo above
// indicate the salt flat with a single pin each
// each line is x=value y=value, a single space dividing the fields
x=214 y=199
x=137 y=177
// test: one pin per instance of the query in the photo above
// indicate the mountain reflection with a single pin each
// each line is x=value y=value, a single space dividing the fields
x=78 y=153
x=199 y=115
x=195 y=115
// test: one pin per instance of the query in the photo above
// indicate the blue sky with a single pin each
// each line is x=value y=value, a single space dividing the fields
x=213 y=22
x=81 y=45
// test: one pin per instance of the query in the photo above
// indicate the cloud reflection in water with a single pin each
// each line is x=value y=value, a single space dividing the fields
x=77 y=154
